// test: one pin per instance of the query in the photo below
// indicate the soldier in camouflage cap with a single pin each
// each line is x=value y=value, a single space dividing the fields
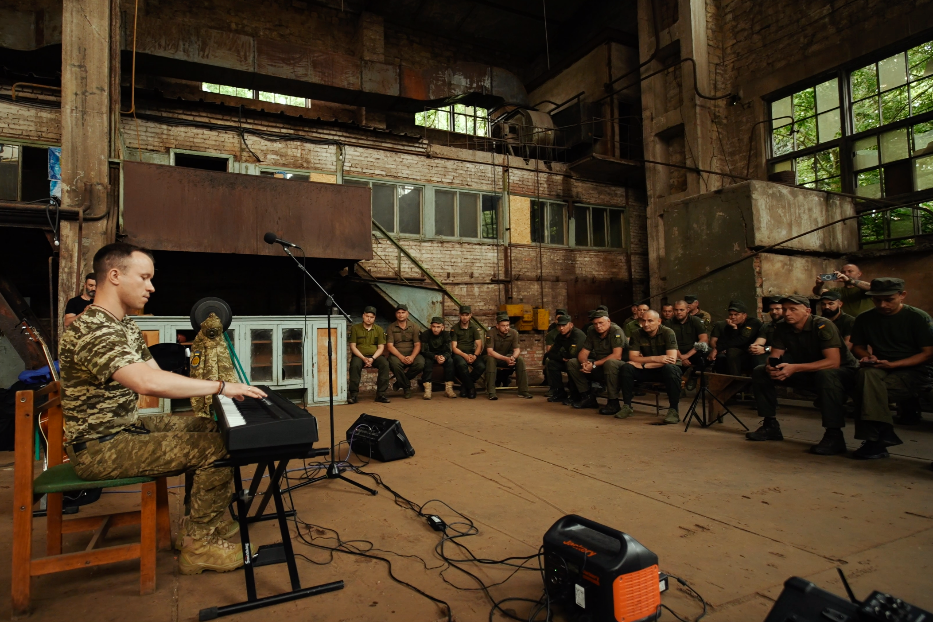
x=105 y=365
x=210 y=360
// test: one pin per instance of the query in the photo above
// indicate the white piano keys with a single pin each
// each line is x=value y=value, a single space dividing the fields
x=230 y=411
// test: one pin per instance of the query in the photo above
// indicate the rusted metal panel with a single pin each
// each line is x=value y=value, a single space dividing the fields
x=283 y=59
x=182 y=209
x=380 y=78
x=335 y=70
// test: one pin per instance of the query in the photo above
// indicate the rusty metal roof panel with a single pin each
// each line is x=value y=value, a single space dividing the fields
x=184 y=209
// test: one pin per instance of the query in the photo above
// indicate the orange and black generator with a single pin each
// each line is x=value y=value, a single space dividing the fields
x=600 y=574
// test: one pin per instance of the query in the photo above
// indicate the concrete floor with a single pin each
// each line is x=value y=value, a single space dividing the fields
x=733 y=518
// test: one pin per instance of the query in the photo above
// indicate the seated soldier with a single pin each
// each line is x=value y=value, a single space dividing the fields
x=653 y=358
x=549 y=338
x=435 y=349
x=689 y=331
x=566 y=347
x=599 y=360
x=367 y=346
x=730 y=340
x=693 y=304
x=502 y=354
x=404 y=345
x=633 y=316
x=814 y=358
x=467 y=346
x=898 y=367
x=761 y=347
x=831 y=309
x=105 y=366
x=667 y=313
x=634 y=325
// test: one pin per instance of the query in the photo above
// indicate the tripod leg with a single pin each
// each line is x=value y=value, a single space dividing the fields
x=728 y=412
x=692 y=412
x=358 y=485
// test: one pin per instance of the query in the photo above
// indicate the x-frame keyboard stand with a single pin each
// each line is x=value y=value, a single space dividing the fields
x=276 y=462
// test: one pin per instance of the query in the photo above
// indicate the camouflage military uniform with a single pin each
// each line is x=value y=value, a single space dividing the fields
x=106 y=438
x=210 y=360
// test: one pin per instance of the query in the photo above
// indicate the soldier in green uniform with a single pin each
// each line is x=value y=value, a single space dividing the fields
x=694 y=305
x=633 y=316
x=467 y=346
x=761 y=347
x=853 y=292
x=566 y=347
x=731 y=338
x=436 y=350
x=831 y=308
x=502 y=353
x=367 y=347
x=653 y=358
x=667 y=313
x=403 y=341
x=813 y=358
x=552 y=330
x=105 y=365
x=600 y=359
x=634 y=325
x=689 y=331
x=899 y=366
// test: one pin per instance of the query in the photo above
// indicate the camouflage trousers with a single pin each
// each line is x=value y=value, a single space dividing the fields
x=175 y=444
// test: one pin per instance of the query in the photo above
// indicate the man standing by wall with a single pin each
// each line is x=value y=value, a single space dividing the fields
x=852 y=292
x=78 y=304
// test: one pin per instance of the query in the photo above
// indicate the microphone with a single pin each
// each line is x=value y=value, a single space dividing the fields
x=272 y=238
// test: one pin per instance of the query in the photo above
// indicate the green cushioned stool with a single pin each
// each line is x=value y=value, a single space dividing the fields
x=58 y=478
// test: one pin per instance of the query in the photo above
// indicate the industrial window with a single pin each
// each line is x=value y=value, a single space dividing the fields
x=598 y=227
x=24 y=173
x=548 y=222
x=205 y=162
x=465 y=215
x=396 y=207
x=275 y=98
x=868 y=131
x=456 y=118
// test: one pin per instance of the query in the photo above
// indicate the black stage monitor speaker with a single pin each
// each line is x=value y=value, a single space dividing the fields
x=379 y=438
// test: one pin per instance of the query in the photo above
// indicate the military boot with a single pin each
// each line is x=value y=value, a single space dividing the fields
x=188 y=533
x=560 y=396
x=611 y=407
x=832 y=443
x=770 y=430
x=587 y=400
x=211 y=553
x=449 y=389
x=427 y=390
x=625 y=412
x=871 y=450
x=673 y=416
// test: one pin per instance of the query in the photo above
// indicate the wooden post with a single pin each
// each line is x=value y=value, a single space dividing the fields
x=147 y=539
x=22 y=502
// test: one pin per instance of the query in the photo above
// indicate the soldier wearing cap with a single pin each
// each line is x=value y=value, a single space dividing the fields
x=694 y=306
x=502 y=353
x=403 y=341
x=367 y=346
x=436 y=350
x=731 y=338
x=812 y=357
x=600 y=358
x=552 y=331
x=566 y=347
x=831 y=308
x=761 y=347
x=467 y=346
x=899 y=366
x=652 y=357
x=689 y=331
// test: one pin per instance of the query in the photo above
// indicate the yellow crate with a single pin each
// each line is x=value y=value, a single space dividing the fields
x=521 y=315
x=540 y=318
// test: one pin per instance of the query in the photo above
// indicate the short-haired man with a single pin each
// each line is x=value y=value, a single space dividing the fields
x=552 y=331
x=693 y=304
x=467 y=346
x=436 y=350
x=633 y=316
x=403 y=341
x=761 y=347
x=852 y=292
x=634 y=324
x=600 y=358
x=77 y=305
x=105 y=366
x=566 y=347
x=502 y=354
x=899 y=365
x=367 y=349
x=731 y=338
x=653 y=357
x=667 y=313
x=689 y=331
x=831 y=308
x=813 y=357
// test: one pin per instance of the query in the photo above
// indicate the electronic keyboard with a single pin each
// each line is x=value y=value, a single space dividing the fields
x=269 y=423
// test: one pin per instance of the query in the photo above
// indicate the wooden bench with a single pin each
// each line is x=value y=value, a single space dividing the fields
x=153 y=516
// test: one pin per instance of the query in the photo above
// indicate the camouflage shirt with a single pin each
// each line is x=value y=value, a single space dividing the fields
x=706 y=317
x=94 y=347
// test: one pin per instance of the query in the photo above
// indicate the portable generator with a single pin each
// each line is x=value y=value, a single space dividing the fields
x=599 y=573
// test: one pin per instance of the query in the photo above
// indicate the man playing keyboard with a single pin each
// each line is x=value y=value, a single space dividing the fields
x=105 y=366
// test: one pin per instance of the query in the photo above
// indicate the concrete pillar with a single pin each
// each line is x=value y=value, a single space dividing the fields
x=87 y=40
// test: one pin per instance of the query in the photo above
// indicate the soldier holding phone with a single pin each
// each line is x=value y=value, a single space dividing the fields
x=851 y=292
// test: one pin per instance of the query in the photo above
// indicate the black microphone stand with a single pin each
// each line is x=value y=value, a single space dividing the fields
x=333 y=470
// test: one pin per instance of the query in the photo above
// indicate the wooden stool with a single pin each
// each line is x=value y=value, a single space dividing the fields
x=153 y=516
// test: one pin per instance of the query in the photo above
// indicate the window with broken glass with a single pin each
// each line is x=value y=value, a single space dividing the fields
x=867 y=130
x=456 y=118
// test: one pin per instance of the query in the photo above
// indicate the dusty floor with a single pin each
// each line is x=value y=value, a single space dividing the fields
x=734 y=518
